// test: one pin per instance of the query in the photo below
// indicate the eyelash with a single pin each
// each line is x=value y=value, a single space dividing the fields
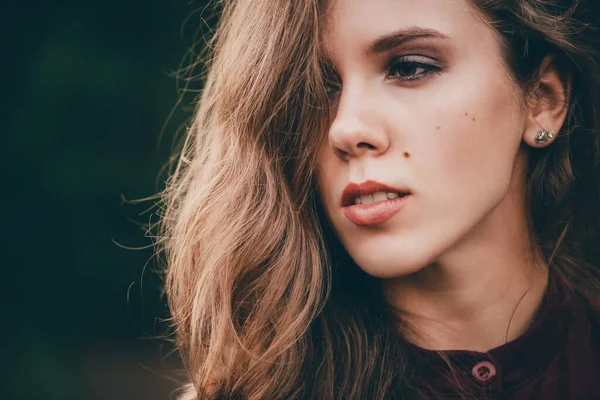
x=394 y=66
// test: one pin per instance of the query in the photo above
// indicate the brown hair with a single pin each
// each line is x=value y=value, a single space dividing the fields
x=265 y=302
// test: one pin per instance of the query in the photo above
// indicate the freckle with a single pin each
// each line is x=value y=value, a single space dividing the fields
x=473 y=119
x=406 y=154
x=437 y=128
x=466 y=114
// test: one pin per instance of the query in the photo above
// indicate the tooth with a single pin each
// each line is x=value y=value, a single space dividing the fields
x=391 y=195
x=367 y=199
x=379 y=196
x=357 y=200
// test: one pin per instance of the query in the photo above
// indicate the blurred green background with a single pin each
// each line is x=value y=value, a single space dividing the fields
x=86 y=89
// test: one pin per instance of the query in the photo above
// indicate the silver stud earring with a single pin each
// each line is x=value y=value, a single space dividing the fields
x=543 y=136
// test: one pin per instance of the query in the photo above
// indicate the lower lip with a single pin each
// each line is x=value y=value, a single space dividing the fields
x=375 y=213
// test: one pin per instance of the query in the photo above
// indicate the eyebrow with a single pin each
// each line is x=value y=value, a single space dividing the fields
x=391 y=40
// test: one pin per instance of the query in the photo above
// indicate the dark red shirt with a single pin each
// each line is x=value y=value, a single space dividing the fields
x=558 y=358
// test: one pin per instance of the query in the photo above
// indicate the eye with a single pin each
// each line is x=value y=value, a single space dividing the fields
x=411 y=68
x=332 y=85
x=331 y=79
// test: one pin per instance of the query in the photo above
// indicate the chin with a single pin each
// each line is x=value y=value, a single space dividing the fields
x=393 y=256
x=393 y=263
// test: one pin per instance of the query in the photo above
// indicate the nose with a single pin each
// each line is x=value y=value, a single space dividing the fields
x=358 y=126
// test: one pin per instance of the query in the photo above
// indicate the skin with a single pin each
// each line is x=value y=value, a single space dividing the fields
x=457 y=260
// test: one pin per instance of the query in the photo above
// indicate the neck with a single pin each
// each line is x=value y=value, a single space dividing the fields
x=454 y=315
x=480 y=294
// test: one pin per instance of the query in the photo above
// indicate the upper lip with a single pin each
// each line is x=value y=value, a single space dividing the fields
x=354 y=190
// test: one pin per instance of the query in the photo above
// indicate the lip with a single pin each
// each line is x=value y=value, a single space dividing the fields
x=375 y=213
x=354 y=190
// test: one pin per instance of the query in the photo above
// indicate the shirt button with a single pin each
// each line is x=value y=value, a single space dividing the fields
x=484 y=371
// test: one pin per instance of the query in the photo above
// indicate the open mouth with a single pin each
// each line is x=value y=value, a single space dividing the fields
x=377 y=212
x=374 y=198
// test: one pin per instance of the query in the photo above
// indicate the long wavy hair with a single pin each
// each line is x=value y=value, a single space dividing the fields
x=265 y=302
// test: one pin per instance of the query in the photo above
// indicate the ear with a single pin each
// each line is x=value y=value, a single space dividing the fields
x=550 y=103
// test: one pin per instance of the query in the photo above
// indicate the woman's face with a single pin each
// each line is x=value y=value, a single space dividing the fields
x=435 y=112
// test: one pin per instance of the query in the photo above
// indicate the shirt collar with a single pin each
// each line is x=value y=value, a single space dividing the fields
x=513 y=363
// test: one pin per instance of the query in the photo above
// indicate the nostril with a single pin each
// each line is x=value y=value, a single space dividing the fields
x=367 y=145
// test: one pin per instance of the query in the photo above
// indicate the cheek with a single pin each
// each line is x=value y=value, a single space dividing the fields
x=472 y=141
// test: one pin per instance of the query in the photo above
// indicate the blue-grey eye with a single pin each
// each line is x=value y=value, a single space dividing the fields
x=408 y=69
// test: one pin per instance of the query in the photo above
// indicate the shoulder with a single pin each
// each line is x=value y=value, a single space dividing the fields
x=592 y=307
x=595 y=304
x=595 y=307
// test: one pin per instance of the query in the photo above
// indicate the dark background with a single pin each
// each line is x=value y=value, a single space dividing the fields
x=86 y=89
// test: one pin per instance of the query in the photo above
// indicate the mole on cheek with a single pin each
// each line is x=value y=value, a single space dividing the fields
x=473 y=119
x=406 y=154
x=437 y=128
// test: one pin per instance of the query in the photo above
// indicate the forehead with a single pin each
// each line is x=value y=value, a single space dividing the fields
x=352 y=25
